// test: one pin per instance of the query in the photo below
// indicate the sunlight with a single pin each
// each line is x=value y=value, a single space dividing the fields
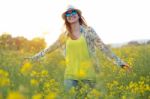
x=123 y=20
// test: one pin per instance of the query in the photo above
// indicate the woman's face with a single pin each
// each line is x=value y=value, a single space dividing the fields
x=72 y=17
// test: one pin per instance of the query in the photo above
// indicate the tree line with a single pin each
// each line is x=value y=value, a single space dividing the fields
x=21 y=43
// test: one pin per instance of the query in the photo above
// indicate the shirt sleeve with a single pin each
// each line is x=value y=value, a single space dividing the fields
x=100 y=45
x=58 y=43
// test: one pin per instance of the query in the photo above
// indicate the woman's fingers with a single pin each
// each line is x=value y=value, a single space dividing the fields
x=128 y=68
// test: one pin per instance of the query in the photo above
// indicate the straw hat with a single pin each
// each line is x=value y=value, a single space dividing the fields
x=70 y=7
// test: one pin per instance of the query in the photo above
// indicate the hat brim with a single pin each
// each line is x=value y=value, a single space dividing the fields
x=63 y=14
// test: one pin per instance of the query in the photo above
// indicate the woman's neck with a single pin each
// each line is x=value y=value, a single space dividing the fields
x=75 y=27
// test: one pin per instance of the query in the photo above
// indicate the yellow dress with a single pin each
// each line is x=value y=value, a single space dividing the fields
x=78 y=62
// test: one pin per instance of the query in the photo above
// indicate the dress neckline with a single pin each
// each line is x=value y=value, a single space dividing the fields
x=80 y=34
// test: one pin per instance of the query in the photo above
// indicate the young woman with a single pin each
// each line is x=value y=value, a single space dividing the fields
x=79 y=43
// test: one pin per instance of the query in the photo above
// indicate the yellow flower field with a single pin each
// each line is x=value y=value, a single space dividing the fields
x=27 y=79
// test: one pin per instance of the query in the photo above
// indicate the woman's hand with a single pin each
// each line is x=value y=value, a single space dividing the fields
x=127 y=68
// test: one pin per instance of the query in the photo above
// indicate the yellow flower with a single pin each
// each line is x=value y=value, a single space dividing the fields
x=147 y=87
x=47 y=85
x=94 y=94
x=37 y=96
x=26 y=68
x=115 y=82
x=4 y=80
x=51 y=95
x=33 y=73
x=44 y=73
x=15 y=95
x=123 y=97
x=3 y=73
x=112 y=84
x=34 y=82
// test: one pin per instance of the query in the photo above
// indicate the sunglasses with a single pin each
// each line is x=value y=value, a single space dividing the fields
x=70 y=13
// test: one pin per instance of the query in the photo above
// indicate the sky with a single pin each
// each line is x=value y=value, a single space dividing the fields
x=115 y=21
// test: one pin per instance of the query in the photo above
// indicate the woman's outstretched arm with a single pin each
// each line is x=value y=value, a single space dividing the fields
x=58 y=43
x=100 y=45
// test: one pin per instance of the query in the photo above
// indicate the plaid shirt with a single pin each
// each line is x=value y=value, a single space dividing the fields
x=93 y=42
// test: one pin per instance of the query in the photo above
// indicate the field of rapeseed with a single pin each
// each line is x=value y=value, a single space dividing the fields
x=43 y=79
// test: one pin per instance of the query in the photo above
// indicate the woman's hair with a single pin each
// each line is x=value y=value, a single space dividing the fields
x=81 y=22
